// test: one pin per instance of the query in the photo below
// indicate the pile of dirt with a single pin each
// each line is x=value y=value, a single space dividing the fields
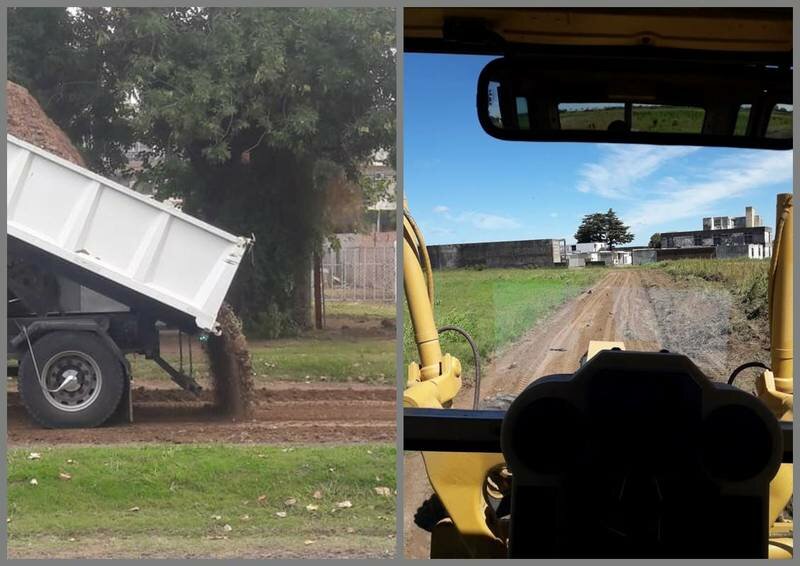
x=230 y=365
x=28 y=122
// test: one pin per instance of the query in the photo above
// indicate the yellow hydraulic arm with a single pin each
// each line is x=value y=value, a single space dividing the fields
x=776 y=387
x=435 y=381
x=458 y=478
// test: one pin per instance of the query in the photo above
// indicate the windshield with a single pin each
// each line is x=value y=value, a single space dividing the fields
x=540 y=248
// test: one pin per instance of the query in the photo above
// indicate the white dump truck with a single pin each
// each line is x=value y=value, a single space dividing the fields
x=95 y=271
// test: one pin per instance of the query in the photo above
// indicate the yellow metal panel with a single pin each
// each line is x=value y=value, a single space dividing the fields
x=598 y=345
x=458 y=479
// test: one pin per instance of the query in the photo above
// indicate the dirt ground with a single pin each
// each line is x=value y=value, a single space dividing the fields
x=644 y=308
x=283 y=413
x=648 y=311
x=259 y=548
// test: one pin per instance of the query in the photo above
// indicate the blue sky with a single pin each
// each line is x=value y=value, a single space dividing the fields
x=464 y=186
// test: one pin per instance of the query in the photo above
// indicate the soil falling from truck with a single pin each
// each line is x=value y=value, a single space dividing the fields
x=230 y=366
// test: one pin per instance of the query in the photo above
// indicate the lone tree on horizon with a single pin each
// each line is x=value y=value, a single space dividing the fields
x=603 y=227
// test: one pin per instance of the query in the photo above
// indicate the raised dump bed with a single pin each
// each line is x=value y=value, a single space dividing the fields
x=129 y=239
x=69 y=227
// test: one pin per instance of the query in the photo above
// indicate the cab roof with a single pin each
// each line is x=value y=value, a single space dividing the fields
x=761 y=33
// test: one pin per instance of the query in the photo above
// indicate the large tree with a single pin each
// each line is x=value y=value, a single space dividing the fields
x=603 y=227
x=69 y=62
x=248 y=115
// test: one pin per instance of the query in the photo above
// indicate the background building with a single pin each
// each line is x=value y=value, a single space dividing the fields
x=739 y=236
x=749 y=220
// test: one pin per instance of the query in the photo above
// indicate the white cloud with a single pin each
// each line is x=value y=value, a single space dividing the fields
x=622 y=167
x=484 y=221
x=554 y=215
x=438 y=231
x=479 y=220
x=722 y=179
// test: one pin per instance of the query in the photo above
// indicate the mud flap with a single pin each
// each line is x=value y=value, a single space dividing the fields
x=123 y=414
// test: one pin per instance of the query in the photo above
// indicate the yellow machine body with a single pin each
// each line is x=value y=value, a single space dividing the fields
x=599 y=345
x=776 y=387
x=457 y=478
x=436 y=380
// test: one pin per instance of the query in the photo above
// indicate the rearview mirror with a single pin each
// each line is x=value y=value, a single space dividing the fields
x=644 y=100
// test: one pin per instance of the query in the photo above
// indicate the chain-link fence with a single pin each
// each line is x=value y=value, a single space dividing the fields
x=362 y=273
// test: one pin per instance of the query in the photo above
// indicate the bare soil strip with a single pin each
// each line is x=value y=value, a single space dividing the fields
x=158 y=547
x=281 y=414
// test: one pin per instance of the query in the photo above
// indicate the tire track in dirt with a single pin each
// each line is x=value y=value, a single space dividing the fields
x=282 y=414
x=615 y=308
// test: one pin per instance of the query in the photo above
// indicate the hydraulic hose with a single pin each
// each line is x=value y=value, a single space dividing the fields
x=476 y=356
x=742 y=367
x=421 y=251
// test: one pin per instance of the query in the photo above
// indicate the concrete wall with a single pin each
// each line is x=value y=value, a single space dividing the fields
x=752 y=251
x=522 y=253
x=664 y=254
x=727 y=252
x=644 y=256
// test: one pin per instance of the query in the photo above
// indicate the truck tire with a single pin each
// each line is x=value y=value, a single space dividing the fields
x=83 y=377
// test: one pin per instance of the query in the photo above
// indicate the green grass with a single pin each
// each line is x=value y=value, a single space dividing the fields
x=779 y=125
x=181 y=490
x=365 y=310
x=338 y=359
x=368 y=360
x=496 y=306
x=747 y=279
x=665 y=119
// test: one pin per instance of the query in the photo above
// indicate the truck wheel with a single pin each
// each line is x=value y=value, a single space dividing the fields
x=82 y=380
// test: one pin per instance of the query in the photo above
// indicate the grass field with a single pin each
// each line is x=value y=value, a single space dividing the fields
x=496 y=306
x=356 y=347
x=366 y=360
x=366 y=310
x=667 y=119
x=371 y=361
x=188 y=494
x=747 y=279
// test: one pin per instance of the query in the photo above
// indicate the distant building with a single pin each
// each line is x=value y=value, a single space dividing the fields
x=382 y=214
x=588 y=247
x=584 y=252
x=739 y=236
x=593 y=253
x=761 y=235
x=615 y=257
x=749 y=220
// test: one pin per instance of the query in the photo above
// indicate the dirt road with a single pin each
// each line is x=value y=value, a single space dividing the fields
x=284 y=413
x=644 y=308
